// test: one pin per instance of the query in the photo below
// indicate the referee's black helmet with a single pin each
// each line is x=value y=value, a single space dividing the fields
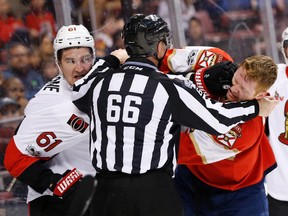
x=142 y=33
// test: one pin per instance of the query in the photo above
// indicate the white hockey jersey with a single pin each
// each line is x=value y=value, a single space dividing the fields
x=277 y=180
x=54 y=130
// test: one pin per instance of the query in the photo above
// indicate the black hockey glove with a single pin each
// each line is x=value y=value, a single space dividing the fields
x=215 y=80
x=64 y=185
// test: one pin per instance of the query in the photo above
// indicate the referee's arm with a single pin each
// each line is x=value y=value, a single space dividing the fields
x=197 y=111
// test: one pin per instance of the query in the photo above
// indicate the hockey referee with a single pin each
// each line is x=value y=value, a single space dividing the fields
x=136 y=114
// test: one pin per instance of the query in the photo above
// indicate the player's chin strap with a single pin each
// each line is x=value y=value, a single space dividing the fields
x=160 y=59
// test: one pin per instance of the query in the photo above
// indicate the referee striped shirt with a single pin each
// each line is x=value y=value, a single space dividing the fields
x=136 y=113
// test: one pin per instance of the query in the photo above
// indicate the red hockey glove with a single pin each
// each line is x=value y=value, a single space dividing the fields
x=64 y=185
x=215 y=80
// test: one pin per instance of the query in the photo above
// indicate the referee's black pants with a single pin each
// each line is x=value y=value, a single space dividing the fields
x=150 y=194
x=49 y=206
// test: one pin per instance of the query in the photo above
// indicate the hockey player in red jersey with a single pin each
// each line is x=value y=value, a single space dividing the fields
x=50 y=152
x=223 y=175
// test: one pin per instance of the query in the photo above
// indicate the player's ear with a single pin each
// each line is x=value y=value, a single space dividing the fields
x=261 y=95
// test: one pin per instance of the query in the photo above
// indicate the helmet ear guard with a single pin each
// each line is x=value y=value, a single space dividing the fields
x=142 y=34
x=73 y=36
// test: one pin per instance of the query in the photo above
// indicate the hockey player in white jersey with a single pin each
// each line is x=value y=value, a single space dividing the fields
x=277 y=180
x=50 y=151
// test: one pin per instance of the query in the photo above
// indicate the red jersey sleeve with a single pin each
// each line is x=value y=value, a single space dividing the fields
x=16 y=162
x=192 y=58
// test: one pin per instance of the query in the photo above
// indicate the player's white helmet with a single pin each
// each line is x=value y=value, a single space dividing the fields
x=73 y=36
x=284 y=43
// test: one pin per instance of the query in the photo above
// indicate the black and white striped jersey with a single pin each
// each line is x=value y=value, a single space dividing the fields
x=136 y=113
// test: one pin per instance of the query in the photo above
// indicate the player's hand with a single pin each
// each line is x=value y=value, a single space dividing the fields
x=217 y=79
x=121 y=54
x=266 y=105
x=63 y=185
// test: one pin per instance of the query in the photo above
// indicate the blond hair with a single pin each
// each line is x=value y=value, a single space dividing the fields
x=261 y=69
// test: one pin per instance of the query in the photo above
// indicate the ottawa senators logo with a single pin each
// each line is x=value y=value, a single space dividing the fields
x=77 y=123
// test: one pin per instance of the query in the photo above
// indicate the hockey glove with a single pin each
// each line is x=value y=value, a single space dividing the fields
x=64 y=185
x=215 y=80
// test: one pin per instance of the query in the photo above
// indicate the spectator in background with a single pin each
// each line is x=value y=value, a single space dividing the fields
x=49 y=69
x=194 y=33
x=41 y=50
x=2 y=89
x=187 y=10
x=45 y=46
x=15 y=89
x=38 y=19
x=9 y=120
x=141 y=6
x=237 y=5
x=102 y=8
x=35 y=57
x=19 y=66
x=3 y=58
x=104 y=38
x=8 y=22
x=21 y=35
x=1 y=78
x=214 y=10
x=9 y=108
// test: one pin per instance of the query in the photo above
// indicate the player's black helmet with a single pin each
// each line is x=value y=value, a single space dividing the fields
x=142 y=34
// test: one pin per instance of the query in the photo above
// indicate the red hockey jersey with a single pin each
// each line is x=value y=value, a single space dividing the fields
x=230 y=161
